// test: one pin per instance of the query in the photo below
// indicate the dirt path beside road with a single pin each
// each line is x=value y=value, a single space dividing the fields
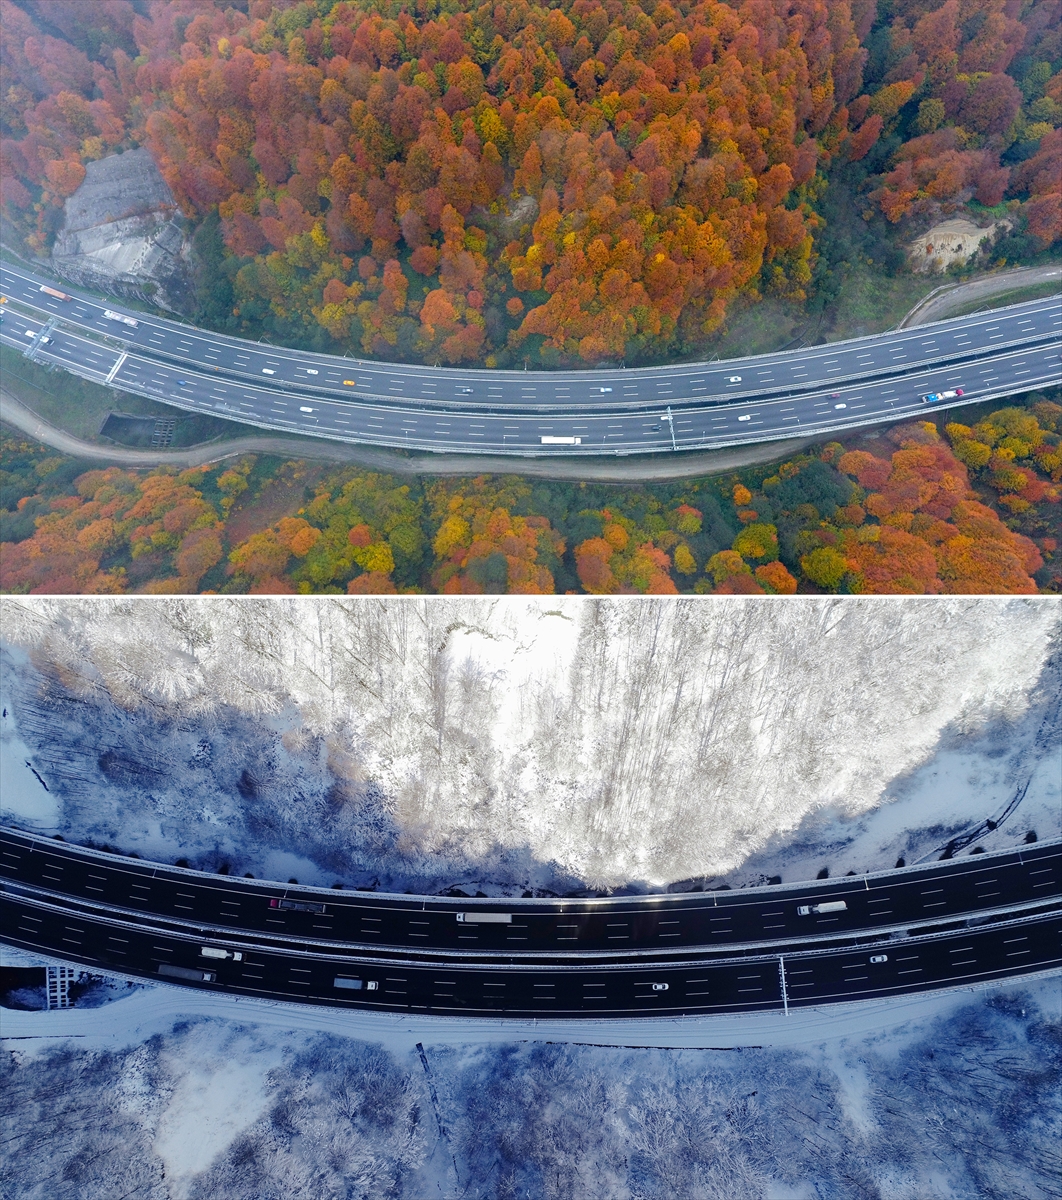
x=948 y=297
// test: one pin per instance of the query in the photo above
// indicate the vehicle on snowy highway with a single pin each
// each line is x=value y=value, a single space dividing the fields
x=298 y=906
x=192 y=974
x=805 y=910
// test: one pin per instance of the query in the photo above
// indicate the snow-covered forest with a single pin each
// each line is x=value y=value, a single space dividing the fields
x=958 y=1105
x=499 y=744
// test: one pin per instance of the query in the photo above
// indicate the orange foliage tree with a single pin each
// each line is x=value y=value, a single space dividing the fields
x=480 y=546
x=931 y=533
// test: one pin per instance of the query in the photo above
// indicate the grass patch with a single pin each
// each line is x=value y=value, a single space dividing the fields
x=872 y=302
x=80 y=407
x=869 y=302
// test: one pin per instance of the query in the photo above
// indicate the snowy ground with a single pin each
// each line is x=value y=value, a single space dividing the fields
x=503 y=745
x=557 y=744
x=172 y=1095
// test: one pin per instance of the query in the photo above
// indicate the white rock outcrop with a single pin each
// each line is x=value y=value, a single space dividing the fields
x=122 y=233
x=955 y=240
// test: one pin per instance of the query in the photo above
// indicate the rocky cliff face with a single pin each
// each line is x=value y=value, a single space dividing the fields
x=123 y=234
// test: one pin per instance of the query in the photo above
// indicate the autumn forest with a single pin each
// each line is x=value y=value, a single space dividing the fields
x=925 y=508
x=550 y=185
x=554 y=184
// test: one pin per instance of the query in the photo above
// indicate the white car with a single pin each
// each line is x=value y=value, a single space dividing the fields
x=303 y=408
x=659 y=987
x=268 y=371
x=310 y=371
x=840 y=406
x=603 y=390
x=734 y=379
x=746 y=417
x=879 y=958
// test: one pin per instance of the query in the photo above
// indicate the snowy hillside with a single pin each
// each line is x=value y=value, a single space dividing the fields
x=956 y=1102
x=501 y=744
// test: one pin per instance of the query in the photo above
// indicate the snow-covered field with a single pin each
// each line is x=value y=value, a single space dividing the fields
x=167 y=1095
x=509 y=744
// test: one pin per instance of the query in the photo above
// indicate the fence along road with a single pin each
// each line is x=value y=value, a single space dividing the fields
x=812 y=391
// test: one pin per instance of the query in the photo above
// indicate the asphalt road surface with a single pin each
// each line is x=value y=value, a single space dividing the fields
x=812 y=391
x=530 y=928
x=769 y=980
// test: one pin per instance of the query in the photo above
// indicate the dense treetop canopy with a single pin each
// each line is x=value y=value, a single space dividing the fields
x=573 y=182
x=974 y=510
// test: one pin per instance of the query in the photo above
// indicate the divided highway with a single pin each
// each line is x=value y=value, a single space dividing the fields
x=812 y=391
x=963 y=921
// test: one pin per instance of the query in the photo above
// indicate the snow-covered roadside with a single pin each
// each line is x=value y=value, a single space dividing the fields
x=176 y=1096
x=156 y=1008
x=25 y=794
x=971 y=777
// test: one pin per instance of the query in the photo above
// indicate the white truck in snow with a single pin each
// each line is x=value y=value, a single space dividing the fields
x=827 y=906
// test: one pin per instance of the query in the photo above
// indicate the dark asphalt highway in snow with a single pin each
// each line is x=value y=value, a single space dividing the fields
x=966 y=920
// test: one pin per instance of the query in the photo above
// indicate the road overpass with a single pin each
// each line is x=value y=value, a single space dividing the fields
x=816 y=391
x=968 y=920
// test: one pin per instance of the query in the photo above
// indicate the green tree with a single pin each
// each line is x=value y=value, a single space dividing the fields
x=825 y=567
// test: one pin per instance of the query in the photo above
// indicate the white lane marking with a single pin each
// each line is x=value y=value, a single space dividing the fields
x=114 y=370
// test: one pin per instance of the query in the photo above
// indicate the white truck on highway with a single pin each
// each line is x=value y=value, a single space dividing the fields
x=114 y=316
x=298 y=906
x=827 y=906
